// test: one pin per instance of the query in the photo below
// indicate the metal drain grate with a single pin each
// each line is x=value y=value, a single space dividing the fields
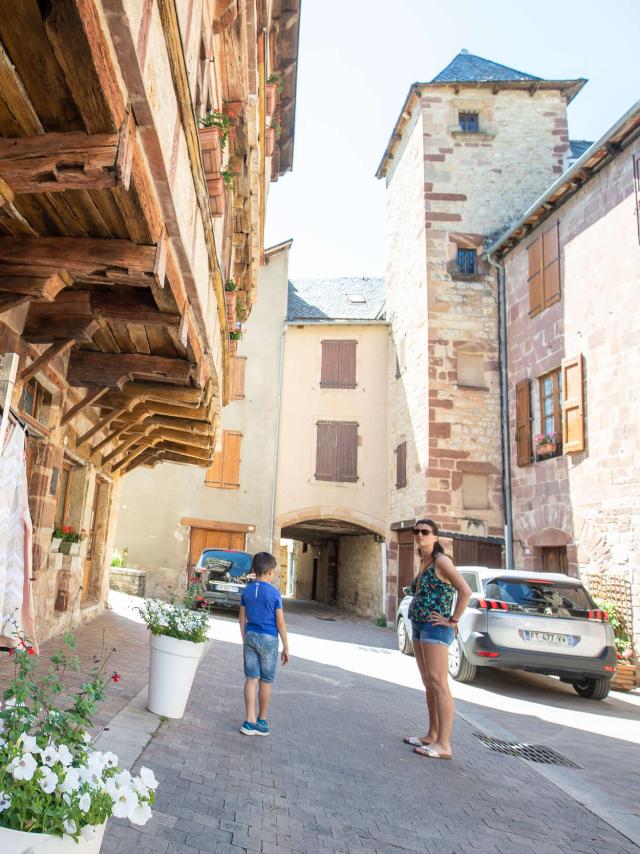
x=532 y=752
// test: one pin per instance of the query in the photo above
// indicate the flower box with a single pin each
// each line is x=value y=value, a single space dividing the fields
x=211 y=151
x=270 y=98
x=215 y=188
x=270 y=141
x=230 y=300
x=625 y=678
x=55 y=544
x=18 y=842
x=546 y=448
x=69 y=548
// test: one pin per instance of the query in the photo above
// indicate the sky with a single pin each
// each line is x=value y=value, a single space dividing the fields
x=356 y=62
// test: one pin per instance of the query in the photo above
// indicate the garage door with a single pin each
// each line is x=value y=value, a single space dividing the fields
x=205 y=538
x=477 y=553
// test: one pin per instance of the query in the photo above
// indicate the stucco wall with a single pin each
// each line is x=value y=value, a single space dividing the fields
x=360 y=576
x=591 y=497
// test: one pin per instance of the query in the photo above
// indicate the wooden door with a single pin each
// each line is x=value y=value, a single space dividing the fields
x=206 y=538
x=554 y=559
x=406 y=561
x=89 y=555
x=477 y=553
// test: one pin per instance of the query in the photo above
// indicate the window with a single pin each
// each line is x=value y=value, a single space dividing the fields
x=337 y=451
x=472 y=580
x=475 y=491
x=470 y=370
x=224 y=472
x=238 y=365
x=523 y=423
x=467 y=261
x=401 y=465
x=551 y=404
x=36 y=401
x=544 y=270
x=469 y=122
x=338 y=364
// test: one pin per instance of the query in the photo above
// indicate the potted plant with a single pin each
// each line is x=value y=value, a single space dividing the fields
x=272 y=89
x=230 y=297
x=241 y=305
x=546 y=443
x=269 y=141
x=214 y=134
x=56 y=792
x=71 y=540
x=178 y=637
x=625 y=678
x=227 y=177
x=56 y=538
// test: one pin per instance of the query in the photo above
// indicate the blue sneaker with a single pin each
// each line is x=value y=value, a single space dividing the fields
x=248 y=728
x=262 y=726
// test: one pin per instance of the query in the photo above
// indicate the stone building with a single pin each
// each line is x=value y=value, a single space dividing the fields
x=571 y=280
x=120 y=222
x=469 y=152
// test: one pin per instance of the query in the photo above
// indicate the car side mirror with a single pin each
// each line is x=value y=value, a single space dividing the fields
x=406 y=591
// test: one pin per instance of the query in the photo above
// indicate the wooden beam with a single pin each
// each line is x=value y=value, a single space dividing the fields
x=7 y=195
x=101 y=425
x=89 y=259
x=91 y=368
x=49 y=354
x=122 y=447
x=41 y=330
x=139 y=391
x=9 y=301
x=127 y=306
x=36 y=282
x=55 y=162
x=91 y=397
x=128 y=460
x=193 y=440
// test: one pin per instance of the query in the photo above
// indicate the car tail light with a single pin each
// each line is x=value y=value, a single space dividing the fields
x=610 y=668
x=484 y=654
x=492 y=605
x=599 y=615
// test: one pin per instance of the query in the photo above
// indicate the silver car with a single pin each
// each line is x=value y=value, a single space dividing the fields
x=538 y=621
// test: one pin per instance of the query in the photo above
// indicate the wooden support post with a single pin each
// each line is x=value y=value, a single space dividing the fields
x=111 y=437
x=122 y=447
x=49 y=354
x=104 y=422
x=128 y=460
x=91 y=397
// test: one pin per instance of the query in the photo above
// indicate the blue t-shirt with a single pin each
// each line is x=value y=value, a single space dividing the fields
x=261 y=600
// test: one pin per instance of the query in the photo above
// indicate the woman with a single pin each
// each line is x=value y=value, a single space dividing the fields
x=434 y=590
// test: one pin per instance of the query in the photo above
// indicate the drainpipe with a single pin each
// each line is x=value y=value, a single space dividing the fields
x=276 y=448
x=383 y=556
x=504 y=411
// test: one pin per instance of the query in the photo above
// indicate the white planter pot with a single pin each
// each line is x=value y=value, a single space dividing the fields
x=55 y=544
x=172 y=670
x=18 y=842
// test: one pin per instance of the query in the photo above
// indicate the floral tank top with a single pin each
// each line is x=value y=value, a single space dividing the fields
x=430 y=594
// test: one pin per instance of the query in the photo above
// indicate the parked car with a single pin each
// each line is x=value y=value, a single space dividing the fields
x=223 y=575
x=536 y=621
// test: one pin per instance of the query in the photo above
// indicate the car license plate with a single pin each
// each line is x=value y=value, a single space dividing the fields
x=550 y=637
x=228 y=588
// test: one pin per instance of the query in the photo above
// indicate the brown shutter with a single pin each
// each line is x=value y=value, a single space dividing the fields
x=347 y=364
x=535 y=278
x=231 y=460
x=551 y=261
x=636 y=182
x=330 y=371
x=523 y=423
x=347 y=464
x=213 y=475
x=401 y=465
x=573 y=405
x=238 y=365
x=326 y=450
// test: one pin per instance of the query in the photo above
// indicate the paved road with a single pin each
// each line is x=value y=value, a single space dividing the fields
x=334 y=775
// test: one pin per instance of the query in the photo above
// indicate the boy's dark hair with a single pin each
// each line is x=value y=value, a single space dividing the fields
x=262 y=563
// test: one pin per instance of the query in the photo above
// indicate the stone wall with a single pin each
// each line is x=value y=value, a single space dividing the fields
x=360 y=576
x=587 y=501
x=126 y=580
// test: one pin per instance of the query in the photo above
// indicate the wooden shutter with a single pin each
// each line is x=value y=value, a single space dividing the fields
x=238 y=365
x=326 y=450
x=224 y=472
x=551 y=262
x=523 y=423
x=573 y=405
x=347 y=364
x=636 y=183
x=338 y=364
x=213 y=475
x=536 y=294
x=347 y=464
x=401 y=465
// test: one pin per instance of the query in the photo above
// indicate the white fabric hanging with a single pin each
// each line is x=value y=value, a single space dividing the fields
x=16 y=543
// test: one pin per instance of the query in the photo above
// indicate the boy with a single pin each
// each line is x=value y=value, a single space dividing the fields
x=261 y=621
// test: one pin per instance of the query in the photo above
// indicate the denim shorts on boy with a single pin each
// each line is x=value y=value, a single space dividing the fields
x=260 y=656
x=433 y=633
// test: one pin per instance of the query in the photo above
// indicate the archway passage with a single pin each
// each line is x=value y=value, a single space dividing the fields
x=336 y=562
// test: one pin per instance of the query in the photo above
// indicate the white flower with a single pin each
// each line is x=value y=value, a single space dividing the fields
x=5 y=801
x=48 y=780
x=124 y=778
x=3 y=742
x=64 y=755
x=85 y=802
x=67 y=799
x=70 y=826
x=86 y=737
x=140 y=814
x=28 y=743
x=125 y=802
x=111 y=788
x=88 y=776
x=1 y=724
x=49 y=755
x=71 y=782
x=23 y=767
x=109 y=760
x=95 y=763
x=140 y=788
x=148 y=778
x=10 y=702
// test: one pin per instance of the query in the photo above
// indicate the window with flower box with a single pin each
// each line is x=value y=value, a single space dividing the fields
x=549 y=440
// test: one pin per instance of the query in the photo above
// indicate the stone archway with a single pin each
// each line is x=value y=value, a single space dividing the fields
x=550 y=550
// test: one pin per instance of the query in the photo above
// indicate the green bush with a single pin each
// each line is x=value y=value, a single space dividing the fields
x=116 y=560
x=617 y=623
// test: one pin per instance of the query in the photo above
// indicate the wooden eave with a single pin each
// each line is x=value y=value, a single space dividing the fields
x=284 y=43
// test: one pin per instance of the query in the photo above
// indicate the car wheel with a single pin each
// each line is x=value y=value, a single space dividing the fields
x=594 y=689
x=405 y=644
x=460 y=668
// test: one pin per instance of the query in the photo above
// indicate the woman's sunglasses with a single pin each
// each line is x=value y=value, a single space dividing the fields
x=424 y=531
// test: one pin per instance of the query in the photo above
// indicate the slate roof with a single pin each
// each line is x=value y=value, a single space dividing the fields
x=328 y=299
x=468 y=68
x=579 y=146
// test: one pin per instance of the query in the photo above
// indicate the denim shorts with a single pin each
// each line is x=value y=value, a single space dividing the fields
x=260 y=656
x=432 y=633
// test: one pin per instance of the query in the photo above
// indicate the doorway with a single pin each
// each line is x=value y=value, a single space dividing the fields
x=207 y=538
x=554 y=559
x=314 y=579
x=406 y=561
x=477 y=553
